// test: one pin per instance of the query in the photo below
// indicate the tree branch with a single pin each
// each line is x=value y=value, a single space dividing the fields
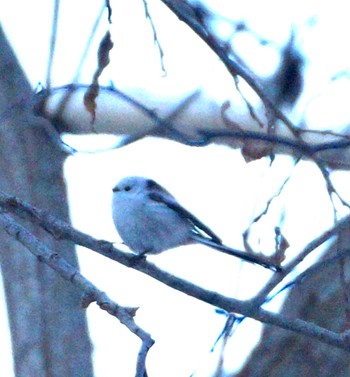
x=189 y=15
x=247 y=308
x=318 y=241
x=90 y=291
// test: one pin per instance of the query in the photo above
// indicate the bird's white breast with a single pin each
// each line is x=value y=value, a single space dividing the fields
x=147 y=226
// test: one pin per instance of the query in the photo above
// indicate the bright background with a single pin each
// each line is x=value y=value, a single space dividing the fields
x=215 y=183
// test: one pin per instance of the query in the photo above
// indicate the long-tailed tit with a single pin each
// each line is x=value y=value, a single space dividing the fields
x=150 y=220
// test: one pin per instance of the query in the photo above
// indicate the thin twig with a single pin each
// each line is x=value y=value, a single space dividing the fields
x=155 y=37
x=53 y=41
x=231 y=321
x=250 y=108
x=89 y=42
x=273 y=197
x=109 y=10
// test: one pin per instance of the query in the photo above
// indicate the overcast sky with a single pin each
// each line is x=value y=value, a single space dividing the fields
x=185 y=329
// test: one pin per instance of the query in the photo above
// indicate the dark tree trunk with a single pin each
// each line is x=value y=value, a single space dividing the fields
x=48 y=327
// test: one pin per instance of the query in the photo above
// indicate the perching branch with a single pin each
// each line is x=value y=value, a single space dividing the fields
x=247 y=308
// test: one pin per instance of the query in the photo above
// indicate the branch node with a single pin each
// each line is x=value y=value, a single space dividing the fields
x=87 y=299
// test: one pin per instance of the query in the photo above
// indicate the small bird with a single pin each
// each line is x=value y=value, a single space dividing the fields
x=150 y=220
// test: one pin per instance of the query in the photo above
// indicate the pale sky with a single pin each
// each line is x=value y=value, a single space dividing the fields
x=184 y=328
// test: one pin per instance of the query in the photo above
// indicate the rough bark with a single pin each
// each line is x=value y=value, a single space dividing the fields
x=320 y=299
x=48 y=327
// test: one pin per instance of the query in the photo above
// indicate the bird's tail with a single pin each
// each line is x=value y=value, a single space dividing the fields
x=237 y=253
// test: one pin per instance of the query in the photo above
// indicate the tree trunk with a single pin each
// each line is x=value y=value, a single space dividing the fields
x=319 y=299
x=48 y=327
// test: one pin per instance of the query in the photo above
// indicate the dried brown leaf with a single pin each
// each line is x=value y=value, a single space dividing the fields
x=91 y=94
x=251 y=150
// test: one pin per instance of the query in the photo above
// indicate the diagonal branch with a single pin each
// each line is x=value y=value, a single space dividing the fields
x=247 y=308
x=276 y=279
x=192 y=16
x=189 y=15
x=91 y=292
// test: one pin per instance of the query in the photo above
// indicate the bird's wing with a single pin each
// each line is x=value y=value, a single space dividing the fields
x=204 y=235
x=199 y=227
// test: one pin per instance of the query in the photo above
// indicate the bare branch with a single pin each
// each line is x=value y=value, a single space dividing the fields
x=71 y=274
x=109 y=9
x=316 y=268
x=188 y=14
x=155 y=36
x=188 y=126
x=53 y=41
x=91 y=37
x=277 y=278
x=247 y=308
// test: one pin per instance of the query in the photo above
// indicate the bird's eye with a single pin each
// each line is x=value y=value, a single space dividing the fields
x=127 y=188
